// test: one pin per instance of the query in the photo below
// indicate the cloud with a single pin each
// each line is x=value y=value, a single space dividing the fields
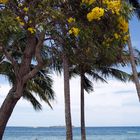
x=4 y=88
x=110 y=104
x=124 y=91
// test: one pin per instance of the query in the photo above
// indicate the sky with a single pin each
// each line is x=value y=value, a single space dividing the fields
x=112 y=104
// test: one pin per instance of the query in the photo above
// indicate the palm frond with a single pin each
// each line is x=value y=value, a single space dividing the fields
x=88 y=85
x=73 y=71
x=6 y=69
x=41 y=85
x=116 y=73
x=35 y=103
x=136 y=5
x=95 y=76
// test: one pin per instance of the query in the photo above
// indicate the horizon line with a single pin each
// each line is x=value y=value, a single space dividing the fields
x=60 y=126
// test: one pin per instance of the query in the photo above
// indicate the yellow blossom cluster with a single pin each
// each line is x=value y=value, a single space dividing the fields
x=117 y=36
x=88 y=1
x=3 y=1
x=75 y=31
x=123 y=24
x=24 y=20
x=70 y=20
x=31 y=30
x=96 y=14
x=113 y=5
x=25 y=9
x=20 y=21
x=126 y=37
x=107 y=41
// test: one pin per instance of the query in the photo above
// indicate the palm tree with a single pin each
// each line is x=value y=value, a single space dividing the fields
x=86 y=85
x=136 y=5
x=65 y=64
x=98 y=73
x=69 y=135
x=60 y=61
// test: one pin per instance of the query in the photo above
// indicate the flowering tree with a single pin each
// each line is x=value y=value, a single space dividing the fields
x=99 y=26
x=64 y=24
x=23 y=26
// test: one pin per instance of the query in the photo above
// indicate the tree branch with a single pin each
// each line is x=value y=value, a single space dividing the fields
x=32 y=73
x=10 y=58
x=39 y=59
x=38 y=48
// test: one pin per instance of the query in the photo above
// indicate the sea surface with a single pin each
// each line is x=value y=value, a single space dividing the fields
x=52 y=133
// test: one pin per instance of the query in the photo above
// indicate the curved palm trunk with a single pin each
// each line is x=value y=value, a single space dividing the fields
x=133 y=66
x=69 y=135
x=6 y=110
x=83 y=130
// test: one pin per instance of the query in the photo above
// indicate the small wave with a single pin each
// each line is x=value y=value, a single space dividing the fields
x=131 y=132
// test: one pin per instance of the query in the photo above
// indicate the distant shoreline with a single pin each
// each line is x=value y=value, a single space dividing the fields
x=73 y=126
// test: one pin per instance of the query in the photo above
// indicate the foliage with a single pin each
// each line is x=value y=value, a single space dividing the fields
x=94 y=32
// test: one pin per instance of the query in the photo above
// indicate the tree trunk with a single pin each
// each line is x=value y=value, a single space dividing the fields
x=83 y=130
x=6 y=110
x=133 y=66
x=14 y=95
x=69 y=135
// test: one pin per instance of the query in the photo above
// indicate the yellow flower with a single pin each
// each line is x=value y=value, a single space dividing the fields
x=126 y=37
x=18 y=18
x=31 y=30
x=91 y=2
x=70 y=31
x=123 y=24
x=30 y=21
x=21 y=23
x=116 y=36
x=88 y=1
x=90 y=16
x=70 y=20
x=20 y=5
x=96 y=14
x=25 y=9
x=113 y=5
x=3 y=1
x=75 y=31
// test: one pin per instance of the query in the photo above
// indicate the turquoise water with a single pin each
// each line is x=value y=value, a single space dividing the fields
x=93 y=133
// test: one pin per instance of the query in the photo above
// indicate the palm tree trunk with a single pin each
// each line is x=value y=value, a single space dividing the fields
x=6 y=110
x=69 y=135
x=83 y=130
x=133 y=66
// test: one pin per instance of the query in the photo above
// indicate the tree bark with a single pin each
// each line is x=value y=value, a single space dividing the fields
x=6 y=110
x=69 y=135
x=133 y=66
x=83 y=130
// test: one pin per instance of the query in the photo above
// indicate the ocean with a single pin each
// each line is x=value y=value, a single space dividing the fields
x=52 y=133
